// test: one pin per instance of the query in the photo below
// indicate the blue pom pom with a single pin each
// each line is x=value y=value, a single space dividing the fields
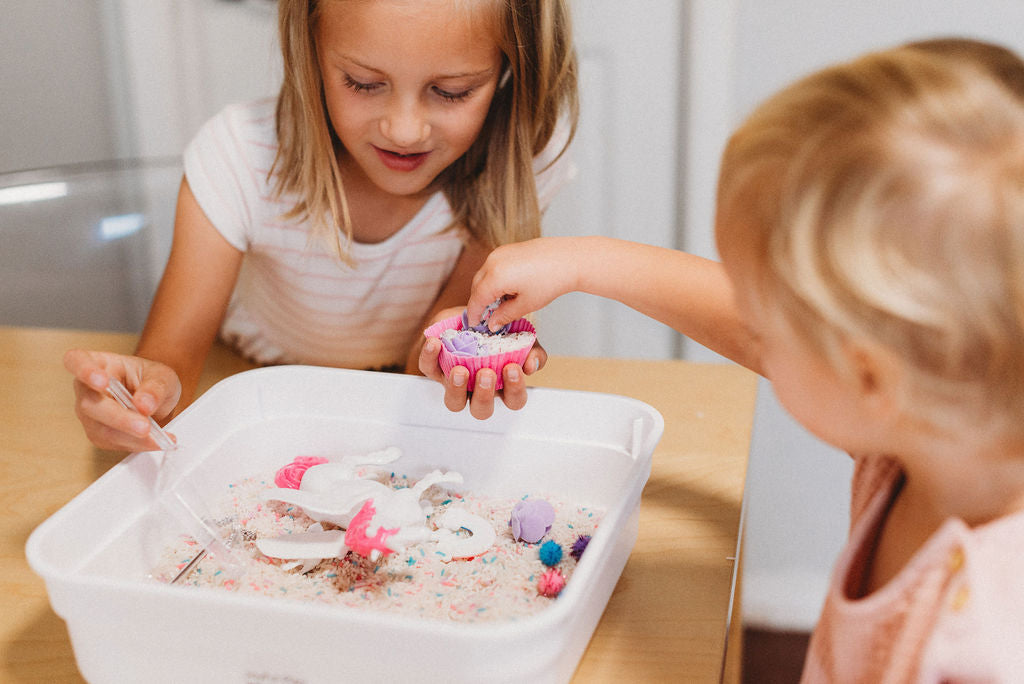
x=550 y=553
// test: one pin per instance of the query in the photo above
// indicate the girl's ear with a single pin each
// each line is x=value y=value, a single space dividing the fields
x=878 y=379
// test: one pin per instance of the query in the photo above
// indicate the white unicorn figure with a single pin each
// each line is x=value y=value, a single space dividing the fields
x=375 y=519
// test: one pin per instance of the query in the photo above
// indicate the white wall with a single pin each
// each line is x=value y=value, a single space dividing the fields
x=54 y=96
x=738 y=52
x=626 y=154
x=183 y=60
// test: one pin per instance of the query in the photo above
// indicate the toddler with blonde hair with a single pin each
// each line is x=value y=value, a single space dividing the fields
x=870 y=221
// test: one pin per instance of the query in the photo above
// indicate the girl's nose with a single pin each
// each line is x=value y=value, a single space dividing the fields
x=405 y=126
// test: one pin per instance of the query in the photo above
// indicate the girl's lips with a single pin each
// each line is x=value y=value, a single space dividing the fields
x=401 y=162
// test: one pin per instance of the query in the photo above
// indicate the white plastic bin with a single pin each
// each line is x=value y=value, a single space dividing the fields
x=96 y=551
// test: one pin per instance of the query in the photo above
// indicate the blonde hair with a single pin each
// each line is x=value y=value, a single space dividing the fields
x=999 y=61
x=491 y=188
x=883 y=200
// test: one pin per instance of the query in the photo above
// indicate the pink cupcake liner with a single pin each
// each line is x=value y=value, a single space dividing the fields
x=496 y=362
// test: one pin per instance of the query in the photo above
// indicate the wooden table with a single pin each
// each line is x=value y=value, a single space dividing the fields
x=666 y=621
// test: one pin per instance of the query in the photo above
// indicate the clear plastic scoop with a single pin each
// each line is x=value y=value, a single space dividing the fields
x=124 y=397
x=221 y=538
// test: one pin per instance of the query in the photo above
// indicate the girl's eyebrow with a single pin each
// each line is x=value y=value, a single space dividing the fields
x=461 y=74
x=356 y=62
x=467 y=74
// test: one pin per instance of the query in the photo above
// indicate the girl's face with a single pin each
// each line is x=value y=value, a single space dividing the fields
x=408 y=84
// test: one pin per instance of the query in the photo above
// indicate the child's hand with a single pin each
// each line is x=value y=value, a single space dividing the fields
x=155 y=392
x=481 y=400
x=527 y=275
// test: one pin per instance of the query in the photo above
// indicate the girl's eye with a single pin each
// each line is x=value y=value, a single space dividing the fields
x=359 y=86
x=452 y=97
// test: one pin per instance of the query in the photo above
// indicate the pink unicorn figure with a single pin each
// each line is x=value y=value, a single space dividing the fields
x=357 y=539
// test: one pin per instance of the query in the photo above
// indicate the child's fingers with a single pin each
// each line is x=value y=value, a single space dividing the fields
x=427 y=362
x=109 y=425
x=455 y=394
x=86 y=368
x=107 y=437
x=513 y=391
x=154 y=387
x=121 y=429
x=157 y=392
x=487 y=288
x=535 y=360
x=475 y=309
x=508 y=311
x=481 y=403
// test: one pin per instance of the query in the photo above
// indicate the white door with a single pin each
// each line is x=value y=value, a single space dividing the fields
x=627 y=154
x=185 y=59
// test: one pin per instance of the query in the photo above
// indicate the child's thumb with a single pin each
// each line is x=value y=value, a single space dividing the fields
x=511 y=309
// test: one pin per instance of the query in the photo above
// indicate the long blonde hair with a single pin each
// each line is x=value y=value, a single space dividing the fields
x=491 y=188
x=883 y=200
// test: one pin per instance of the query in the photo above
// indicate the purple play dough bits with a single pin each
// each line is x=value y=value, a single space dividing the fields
x=531 y=520
x=481 y=327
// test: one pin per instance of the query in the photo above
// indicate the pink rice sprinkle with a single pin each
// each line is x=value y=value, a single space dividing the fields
x=500 y=584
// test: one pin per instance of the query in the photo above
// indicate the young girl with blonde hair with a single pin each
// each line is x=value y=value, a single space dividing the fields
x=329 y=227
x=871 y=227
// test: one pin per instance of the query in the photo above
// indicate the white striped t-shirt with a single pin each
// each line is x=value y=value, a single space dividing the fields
x=295 y=301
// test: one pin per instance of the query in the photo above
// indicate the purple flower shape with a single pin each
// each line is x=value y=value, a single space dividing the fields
x=531 y=520
x=461 y=344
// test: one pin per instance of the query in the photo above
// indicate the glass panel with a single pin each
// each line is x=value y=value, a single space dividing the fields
x=84 y=246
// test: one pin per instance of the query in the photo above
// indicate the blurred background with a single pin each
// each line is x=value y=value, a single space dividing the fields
x=99 y=98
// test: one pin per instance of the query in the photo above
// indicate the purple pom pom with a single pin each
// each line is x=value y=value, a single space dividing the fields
x=579 y=546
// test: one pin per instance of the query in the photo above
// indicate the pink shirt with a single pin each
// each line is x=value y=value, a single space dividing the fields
x=955 y=613
x=295 y=301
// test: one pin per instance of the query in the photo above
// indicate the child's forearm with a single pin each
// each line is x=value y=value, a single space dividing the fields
x=186 y=358
x=193 y=295
x=689 y=293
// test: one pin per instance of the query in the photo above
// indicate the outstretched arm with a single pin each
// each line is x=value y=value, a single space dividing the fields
x=691 y=294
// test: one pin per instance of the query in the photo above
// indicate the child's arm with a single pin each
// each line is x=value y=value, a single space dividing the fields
x=423 y=356
x=193 y=295
x=182 y=324
x=691 y=294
